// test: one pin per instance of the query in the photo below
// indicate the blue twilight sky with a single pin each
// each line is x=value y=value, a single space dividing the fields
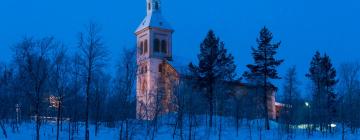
x=303 y=26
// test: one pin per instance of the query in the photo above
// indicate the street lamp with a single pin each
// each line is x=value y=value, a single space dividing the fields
x=307 y=104
x=17 y=109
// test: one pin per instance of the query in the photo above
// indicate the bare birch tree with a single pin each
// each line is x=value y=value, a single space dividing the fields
x=59 y=83
x=33 y=63
x=349 y=86
x=125 y=86
x=290 y=99
x=93 y=55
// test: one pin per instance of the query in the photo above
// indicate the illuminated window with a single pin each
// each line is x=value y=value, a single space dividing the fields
x=156 y=45
x=163 y=46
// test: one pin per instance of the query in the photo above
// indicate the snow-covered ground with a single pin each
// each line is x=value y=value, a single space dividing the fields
x=48 y=132
x=165 y=132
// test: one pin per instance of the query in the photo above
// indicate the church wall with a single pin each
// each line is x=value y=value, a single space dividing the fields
x=248 y=91
x=150 y=97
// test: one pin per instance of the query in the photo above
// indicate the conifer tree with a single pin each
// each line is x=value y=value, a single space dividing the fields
x=323 y=75
x=215 y=66
x=264 y=68
x=329 y=85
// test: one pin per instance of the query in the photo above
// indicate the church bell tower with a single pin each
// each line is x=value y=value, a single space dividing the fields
x=154 y=48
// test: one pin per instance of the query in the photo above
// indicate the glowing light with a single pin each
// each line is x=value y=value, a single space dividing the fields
x=307 y=104
x=332 y=125
x=304 y=126
x=54 y=101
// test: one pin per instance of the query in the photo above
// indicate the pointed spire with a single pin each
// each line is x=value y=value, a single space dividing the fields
x=154 y=18
x=153 y=6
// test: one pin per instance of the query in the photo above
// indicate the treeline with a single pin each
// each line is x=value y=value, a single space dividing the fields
x=49 y=81
x=331 y=100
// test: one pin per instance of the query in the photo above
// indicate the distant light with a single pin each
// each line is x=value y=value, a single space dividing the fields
x=304 y=126
x=307 y=104
x=332 y=125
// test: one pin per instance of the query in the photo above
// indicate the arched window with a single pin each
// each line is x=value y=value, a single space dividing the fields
x=141 y=70
x=141 y=48
x=145 y=46
x=149 y=6
x=157 y=5
x=163 y=46
x=143 y=85
x=160 y=67
x=156 y=45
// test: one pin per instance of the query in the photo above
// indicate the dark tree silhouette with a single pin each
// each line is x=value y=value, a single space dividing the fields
x=291 y=99
x=6 y=101
x=93 y=55
x=215 y=65
x=323 y=76
x=125 y=86
x=32 y=58
x=349 y=86
x=264 y=67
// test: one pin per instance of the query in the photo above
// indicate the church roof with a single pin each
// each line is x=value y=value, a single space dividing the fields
x=154 y=20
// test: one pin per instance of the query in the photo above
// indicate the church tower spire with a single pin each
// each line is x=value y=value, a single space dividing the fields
x=154 y=18
x=154 y=45
x=153 y=6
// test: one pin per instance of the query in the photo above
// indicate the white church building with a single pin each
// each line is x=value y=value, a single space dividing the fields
x=156 y=77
